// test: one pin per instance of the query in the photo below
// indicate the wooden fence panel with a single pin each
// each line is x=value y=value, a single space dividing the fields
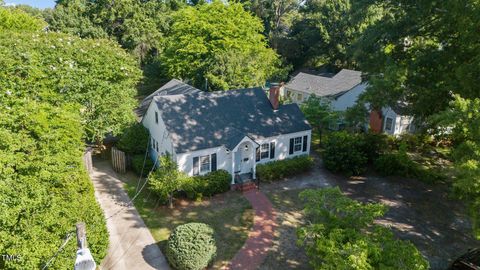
x=87 y=160
x=118 y=160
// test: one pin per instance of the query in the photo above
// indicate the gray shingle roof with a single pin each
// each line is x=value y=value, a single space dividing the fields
x=173 y=87
x=323 y=86
x=205 y=120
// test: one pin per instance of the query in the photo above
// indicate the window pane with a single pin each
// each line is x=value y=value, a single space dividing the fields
x=205 y=164
x=264 y=150
x=298 y=144
x=388 y=124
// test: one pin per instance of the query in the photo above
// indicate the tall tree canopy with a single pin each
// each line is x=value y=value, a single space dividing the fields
x=221 y=43
x=326 y=30
x=136 y=25
x=17 y=19
x=277 y=17
x=57 y=68
x=421 y=52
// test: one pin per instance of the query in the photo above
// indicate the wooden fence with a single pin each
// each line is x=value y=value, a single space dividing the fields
x=119 y=161
x=87 y=159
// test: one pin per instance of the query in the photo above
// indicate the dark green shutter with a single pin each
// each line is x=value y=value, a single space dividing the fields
x=257 y=154
x=291 y=147
x=195 y=165
x=272 y=150
x=305 y=142
x=214 y=162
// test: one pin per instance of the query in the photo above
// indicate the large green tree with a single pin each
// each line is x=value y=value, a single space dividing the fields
x=58 y=68
x=326 y=30
x=340 y=234
x=277 y=17
x=462 y=123
x=421 y=52
x=137 y=25
x=19 y=20
x=221 y=43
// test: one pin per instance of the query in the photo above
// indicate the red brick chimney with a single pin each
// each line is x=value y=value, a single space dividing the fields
x=274 y=95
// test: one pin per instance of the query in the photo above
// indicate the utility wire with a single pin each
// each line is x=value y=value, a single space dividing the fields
x=67 y=238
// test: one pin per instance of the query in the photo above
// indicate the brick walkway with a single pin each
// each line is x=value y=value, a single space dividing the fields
x=260 y=238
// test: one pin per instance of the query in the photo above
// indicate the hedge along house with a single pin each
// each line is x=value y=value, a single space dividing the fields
x=343 y=90
x=230 y=130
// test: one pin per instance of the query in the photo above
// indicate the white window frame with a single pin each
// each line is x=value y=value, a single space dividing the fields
x=202 y=169
x=267 y=151
x=297 y=143
x=299 y=96
x=386 y=124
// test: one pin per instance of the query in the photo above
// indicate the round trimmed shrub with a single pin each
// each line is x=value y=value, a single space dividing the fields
x=191 y=246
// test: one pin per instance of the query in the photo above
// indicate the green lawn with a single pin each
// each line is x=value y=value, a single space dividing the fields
x=229 y=214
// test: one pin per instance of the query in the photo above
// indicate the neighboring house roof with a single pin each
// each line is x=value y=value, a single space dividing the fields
x=210 y=119
x=173 y=87
x=326 y=85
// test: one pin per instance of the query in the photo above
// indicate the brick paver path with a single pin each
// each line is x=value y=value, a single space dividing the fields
x=260 y=238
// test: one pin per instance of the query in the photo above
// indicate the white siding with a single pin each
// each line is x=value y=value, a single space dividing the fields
x=157 y=131
x=224 y=159
x=401 y=124
x=282 y=144
x=294 y=95
x=348 y=99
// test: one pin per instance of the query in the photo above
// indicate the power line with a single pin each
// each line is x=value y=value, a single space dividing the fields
x=67 y=238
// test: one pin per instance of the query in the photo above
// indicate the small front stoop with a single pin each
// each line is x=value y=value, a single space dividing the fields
x=246 y=186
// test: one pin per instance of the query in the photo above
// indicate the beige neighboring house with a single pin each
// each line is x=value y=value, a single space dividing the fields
x=342 y=90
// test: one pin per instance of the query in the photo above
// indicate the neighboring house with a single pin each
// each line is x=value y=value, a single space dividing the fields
x=342 y=90
x=173 y=87
x=395 y=123
x=231 y=130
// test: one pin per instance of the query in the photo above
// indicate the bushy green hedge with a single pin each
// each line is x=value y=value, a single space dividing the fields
x=137 y=164
x=44 y=188
x=191 y=247
x=399 y=164
x=277 y=170
x=134 y=139
x=208 y=184
x=343 y=152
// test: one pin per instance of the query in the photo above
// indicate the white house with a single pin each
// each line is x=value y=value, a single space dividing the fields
x=231 y=130
x=342 y=90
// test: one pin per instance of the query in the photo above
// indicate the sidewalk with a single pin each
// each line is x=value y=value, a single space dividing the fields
x=131 y=244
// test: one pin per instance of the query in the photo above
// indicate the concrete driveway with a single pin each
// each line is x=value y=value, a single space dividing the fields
x=131 y=244
x=424 y=214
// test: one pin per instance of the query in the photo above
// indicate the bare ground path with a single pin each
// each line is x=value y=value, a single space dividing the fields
x=131 y=244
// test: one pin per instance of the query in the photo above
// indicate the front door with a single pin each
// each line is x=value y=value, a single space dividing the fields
x=246 y=157
x=243 y=158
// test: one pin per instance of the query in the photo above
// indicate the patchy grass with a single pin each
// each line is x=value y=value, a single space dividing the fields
x=229 y=214
x=286 y=254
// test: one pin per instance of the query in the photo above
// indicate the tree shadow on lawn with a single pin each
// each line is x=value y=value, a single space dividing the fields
x=229 y=214
x=422 y=213
x=286 y=254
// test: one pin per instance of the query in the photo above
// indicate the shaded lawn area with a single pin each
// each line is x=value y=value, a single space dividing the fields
x=286 y=254
x=229 y=214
